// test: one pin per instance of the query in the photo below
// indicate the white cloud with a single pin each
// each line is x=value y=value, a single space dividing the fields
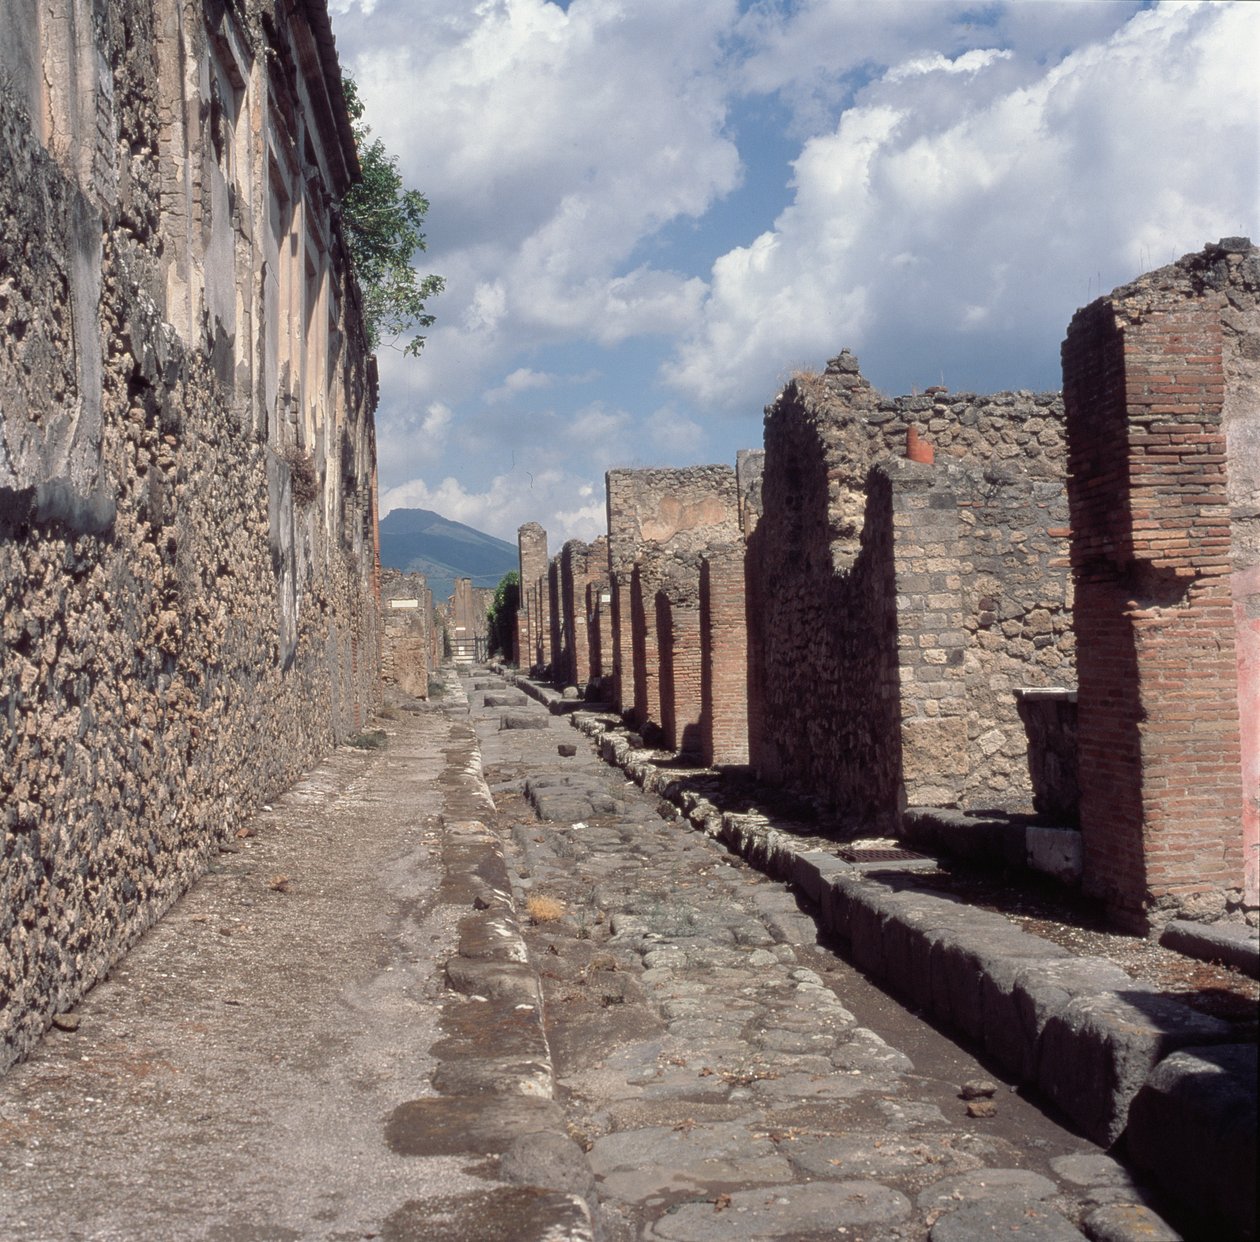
x=677 y=438
x=931 y=234
x=523 y=379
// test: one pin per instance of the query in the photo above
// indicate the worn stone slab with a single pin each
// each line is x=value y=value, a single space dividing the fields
x=1021 y=1222
x=1128 y=1222
x=500 y=1214
x=1233 y=944
x=524 y=720
x=787 y=1211
x=1096 y=1052
x=467 y=1125
x=1057 y=852
x=507 y=698
x=1193 y=1126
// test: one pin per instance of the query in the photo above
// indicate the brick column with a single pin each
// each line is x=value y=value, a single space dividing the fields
x=724 y=657
x=623 y=662
x=1160 y=762
x=678 y=641
x=532 y=543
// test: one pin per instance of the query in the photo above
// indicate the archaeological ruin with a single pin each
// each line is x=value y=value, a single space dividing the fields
x=187 y=460
x=922 y=612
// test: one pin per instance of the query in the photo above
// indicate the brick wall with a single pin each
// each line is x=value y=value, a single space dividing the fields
x=1157 y=569
x=531 y=540
x=187 y=558
x=723 y=650
x=980 y=560
x=410 y=646
x=679 y=642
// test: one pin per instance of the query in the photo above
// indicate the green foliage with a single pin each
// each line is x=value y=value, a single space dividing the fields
x=382 y=221
x=502 y=614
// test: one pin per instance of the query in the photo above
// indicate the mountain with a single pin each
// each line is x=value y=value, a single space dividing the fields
x=420 y=541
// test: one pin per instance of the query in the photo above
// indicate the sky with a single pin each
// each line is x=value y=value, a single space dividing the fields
x=650 y=214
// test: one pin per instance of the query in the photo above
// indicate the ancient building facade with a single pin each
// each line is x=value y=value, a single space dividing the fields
x=887 y=608
x=903 y=602
x=186 y=459
x=1162 y=385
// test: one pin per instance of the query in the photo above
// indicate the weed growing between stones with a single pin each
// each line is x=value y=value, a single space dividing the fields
x=544 y=909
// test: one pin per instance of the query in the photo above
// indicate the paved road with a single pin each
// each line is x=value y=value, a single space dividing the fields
x=729 y=1077
x=338 y=1034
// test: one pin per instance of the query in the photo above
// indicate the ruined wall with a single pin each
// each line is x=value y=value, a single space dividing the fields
x=1160 y=382
x=583 y=572
x=463 y=622
x=983 y=610
x=186 y=462
x=410 y=642
x=723 y=650
x=535 y=610
x=659 y=523
x=899 y=604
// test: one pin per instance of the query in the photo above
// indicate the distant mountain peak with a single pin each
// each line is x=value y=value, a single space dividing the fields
x=424 y=542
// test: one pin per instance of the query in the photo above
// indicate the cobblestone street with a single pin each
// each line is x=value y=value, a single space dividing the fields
x=728 y=1076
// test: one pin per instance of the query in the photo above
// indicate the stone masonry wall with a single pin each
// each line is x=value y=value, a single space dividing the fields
x=411 y=643
x=659 y=523
x=983 y=609
x=186 y=479
x=1160 y=382
x=896 y=604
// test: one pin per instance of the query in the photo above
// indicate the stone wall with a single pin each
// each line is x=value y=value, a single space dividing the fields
x=1160 y=383
x=900 y=604
x=411 y=645
x=659 y=523
x=186 y=462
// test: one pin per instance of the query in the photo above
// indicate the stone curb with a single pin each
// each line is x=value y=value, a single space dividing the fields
x=1233 y=944
x=495 y=1074
x=1078 y=1029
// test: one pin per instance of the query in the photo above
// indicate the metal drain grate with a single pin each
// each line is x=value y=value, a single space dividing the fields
x=873 y=855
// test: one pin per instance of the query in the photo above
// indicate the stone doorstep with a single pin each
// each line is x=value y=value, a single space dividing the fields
x=1080 y=1030
x=1232 y=944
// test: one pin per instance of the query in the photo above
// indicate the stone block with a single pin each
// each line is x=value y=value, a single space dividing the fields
x=1234 y=944
x=1193 y=1126
x=1096 y=1052
x=509 y=698
x=1058 y=852
x=522 y=720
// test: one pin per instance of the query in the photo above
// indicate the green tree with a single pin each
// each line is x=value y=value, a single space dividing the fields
x=382 y=221
x=501 y=614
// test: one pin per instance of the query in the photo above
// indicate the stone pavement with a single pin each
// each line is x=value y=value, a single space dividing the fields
x=339 y=1034
x=729 y=1077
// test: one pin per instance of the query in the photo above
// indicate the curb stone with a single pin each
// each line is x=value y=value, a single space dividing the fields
x=1082 y=1021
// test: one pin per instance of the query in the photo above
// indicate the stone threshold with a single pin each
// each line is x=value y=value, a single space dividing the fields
x=1134 y=1070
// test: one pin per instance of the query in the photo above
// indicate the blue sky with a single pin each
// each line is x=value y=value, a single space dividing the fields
x=651 y=213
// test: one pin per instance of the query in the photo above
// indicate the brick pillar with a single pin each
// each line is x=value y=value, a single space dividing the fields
x=623 y=662
x=1160 y=761
x=678 y=640
x=532 y=545
x=557 y=638
x=647 y=654
x=724 y=657
x=520 y=634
